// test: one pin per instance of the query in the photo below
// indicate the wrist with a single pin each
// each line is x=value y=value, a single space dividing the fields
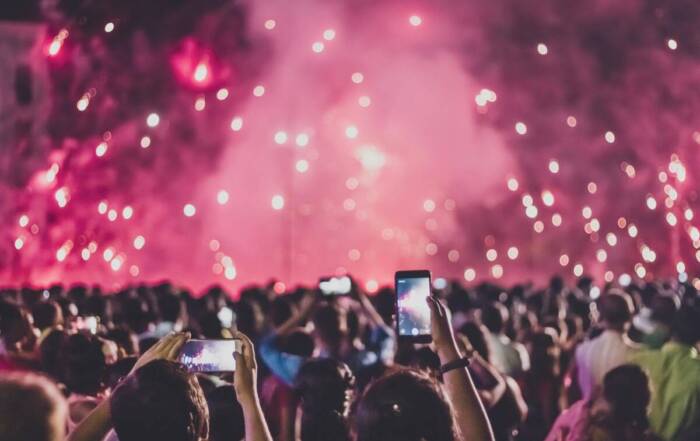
x=448 y=353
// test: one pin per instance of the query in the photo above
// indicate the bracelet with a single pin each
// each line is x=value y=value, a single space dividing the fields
x=462 y=362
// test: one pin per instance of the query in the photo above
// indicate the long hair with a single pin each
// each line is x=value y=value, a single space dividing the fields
x=405 y=405
x=324 y=387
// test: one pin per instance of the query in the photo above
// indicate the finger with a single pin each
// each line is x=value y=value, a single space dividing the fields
x=174 y=350
x=434 y=306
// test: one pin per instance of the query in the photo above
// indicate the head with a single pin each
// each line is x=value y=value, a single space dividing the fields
x=324 y=387
x=47 y=315
x=616 y=309
x=51 y=353
x=544 y=353
x=16 y=327
x=171 y=307
x=226 y=415
x=31 y=408
x=626 y=389
x=475 y=335
x=281 y=309
x=686 y=329
x=404 y=405
x=298 y=342
x=126 y=340
x=494 y=317
x=331 y=325
x=161 y=400
x=84 y=364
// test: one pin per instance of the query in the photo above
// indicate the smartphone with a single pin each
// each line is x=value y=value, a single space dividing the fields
x=412 y=310
x=210 y=355
x=335 y=286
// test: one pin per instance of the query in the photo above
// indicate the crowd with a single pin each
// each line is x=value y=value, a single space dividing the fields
x=559 y=363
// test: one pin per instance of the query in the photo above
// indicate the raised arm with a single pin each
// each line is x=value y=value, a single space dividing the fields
x=470 y=415
x=99 y=422
x=244 y=381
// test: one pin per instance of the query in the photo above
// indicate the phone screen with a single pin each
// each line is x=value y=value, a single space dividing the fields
x=209 y=355
x=413 y=310
x=335 y=286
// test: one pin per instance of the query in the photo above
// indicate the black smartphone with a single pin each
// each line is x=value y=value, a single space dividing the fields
x=412 y=310
x=210 y=355
x=335 y=286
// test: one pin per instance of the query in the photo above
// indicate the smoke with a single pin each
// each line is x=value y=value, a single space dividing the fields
x=308 y=138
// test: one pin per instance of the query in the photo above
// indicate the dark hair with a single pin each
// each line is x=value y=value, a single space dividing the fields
x=328 y=323
x=170 y=306
x=476 y=337
x=405 y=405
x=47 y=314
x=125 y=339
x=615 y=308
x=51 y=353
x=686 y=325
x=543 y=364
x=226 y=415
x=84 y=364
x=298 y=342
x=31 y=408
x=324 y=387
x=118 y=370
x=15 y=324
x=281 y=310
x=160 y=401
x=494 y=316
x=626 y=388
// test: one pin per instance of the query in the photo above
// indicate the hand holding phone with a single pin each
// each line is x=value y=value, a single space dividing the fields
x=412 y=309
x=210 y=355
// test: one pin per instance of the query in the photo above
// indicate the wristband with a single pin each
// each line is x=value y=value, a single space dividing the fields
x=455 y=364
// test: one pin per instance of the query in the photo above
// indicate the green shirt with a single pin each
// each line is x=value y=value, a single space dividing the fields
x=674 y=375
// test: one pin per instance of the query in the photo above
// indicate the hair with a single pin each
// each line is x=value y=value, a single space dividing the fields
x=494 y=317
x=686 y=329
x=51 y=353
x=47 y=315
x=476 y=337
x=298 y=342
x=15 y=324
x=118 y=370
x=281 y=310
x=626 y=389
x=31 y=408
x=125 y=339
x=544 y=364
x=226 y=420
x=324 y=387
x=160 y=401
x=405 y=405
x=328 y=321
x=170 y=306
x=85 y=364
x=615 y=308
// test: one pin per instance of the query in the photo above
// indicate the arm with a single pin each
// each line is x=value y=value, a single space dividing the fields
x=470 y=415
x=306 y=307
x=99 y=422
x=244 y=381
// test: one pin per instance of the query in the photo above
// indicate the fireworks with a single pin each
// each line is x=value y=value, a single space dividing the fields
x=242 y=143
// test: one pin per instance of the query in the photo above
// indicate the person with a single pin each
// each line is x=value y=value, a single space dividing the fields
x=509 y=357
x=501 y=395
x=408 y=405
x=617 y=413
x=160 y=400
x=596 y=357
x=31 y=408
x=47 y=316
x=674 y=371
x=324 y=387
x=18 y=337
x=332 y=338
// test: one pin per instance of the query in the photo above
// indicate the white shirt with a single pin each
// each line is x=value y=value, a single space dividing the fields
x=508 y=357
x=597 y=357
